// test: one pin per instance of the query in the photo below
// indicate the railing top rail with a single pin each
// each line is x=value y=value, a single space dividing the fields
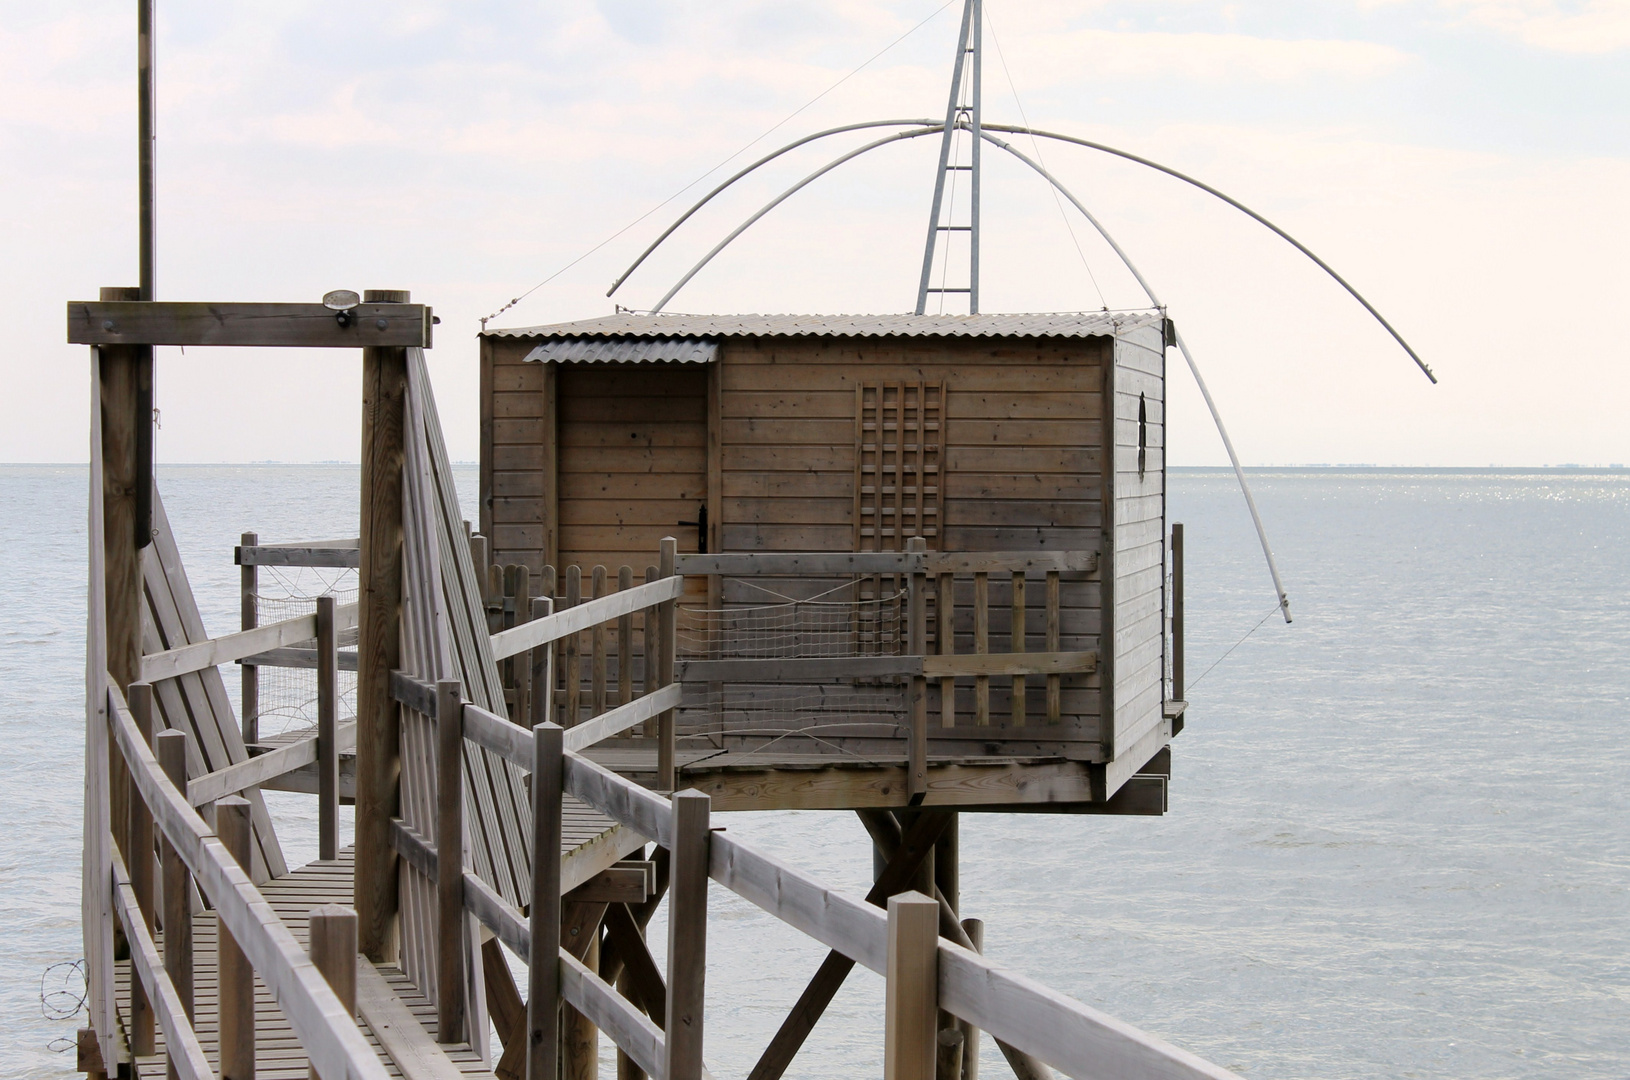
x=529 y=635
x=229 y=647
x=326 y=1029
x=783 y=563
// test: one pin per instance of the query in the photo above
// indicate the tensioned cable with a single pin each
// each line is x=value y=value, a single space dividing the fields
x=1036 y=146
x=748 y=146
x=1232 y=647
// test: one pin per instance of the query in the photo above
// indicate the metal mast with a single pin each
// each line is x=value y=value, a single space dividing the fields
x=962 y=112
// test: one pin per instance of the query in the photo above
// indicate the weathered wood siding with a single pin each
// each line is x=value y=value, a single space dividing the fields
x=1139 y=588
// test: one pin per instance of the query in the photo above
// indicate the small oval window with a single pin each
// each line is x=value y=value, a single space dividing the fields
x=1143 y=434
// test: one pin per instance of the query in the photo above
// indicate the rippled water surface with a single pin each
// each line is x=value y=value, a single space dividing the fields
x=1397 y=843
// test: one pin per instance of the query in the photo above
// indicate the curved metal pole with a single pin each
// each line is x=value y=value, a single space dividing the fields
x=766 y=159
x=1205 y=391
x=783 y=197
x=1237 y=205
x=1256 y=518
x=1096 y=224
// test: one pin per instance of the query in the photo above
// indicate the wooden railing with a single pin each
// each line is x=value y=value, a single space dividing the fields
x=253 y=939
x=924 y=972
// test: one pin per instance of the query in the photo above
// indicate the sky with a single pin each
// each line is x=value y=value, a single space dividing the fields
x=1464 y=163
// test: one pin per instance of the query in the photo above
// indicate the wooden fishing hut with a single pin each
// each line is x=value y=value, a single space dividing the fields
x=925 y=556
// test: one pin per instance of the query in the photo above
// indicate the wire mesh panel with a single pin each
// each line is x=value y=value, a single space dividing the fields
x=288 y=695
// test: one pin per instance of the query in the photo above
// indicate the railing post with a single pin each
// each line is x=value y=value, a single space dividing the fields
x=975 y=929
x=666 y=776
x=543 y=668
x=911 y=1000
x=543 y=966
x=249 y=618
x=140 y=858
x=573 y=652
x=170 y=747
x=1177 y=612
x=332 y=943
x=917 y=645
x=328 y=719
x=449 y=861
x=687 y=932
x=235 y=978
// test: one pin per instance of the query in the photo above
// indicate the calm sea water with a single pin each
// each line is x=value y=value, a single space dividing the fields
x=1397 y=844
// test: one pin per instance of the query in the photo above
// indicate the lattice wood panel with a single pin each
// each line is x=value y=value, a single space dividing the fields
x=899 y=432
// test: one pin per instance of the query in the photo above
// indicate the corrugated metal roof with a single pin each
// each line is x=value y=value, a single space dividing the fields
x=1056 y=324
x=624 y=350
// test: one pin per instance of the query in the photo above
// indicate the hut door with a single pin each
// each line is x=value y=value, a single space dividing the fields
x=633 y=461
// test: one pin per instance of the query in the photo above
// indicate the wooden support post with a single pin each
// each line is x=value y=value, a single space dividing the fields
x=1054 y=682
x=328 y=726
x=597 y=650
x=333 y=948
x=140 y=861
x=917 y=645
x=667 y=778
x=975 y=929
x=687 y=928
x=1016 y=634
x=948 y=1054
x=248 y=619
x=170 y=747
x=543 y=669
x=1178 y=686
x=450 y=935
x=520 y=670
x=945 y=615
x=543 y=966
x=981 y=646
x=379 y=644
x=911 y=999
x=235 y=978
x=574 y=652
x=579 y=1038
x=625 y=641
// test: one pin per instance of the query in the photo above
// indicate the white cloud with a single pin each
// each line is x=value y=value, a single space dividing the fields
x=1586 y=27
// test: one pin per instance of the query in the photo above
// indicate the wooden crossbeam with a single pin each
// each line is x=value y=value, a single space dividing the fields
x=153 y=322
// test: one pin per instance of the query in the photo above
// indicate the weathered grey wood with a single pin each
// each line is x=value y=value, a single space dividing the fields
x=333 y=1043
x=622 y=718
x=667 y=778
x=1054 y=683
x=332 y=553
x=234 y=978
x=450 y=936
x=1178 y=676
x=506 y=1008
x=400 y=1033
x=981 y=644
x=509 y=741
x=249 y=618
x=149 y=322
x=1015 y=664
x=543 y=668
x=579 y=1037
x=800 y=564
x=1016 y=635
x=687 y=931
x=597 y=650
x=170 y=753
x=644 y=979
x=379 y=644
x=98 y=849
x=229 y=647
x=996 y=562
x=298 y=658
x=181 y=1041
x=263 y=768
x=631 y=1030
x=626 y=882
x=491 y=910
x=331 y=935
x=140 y=845
x=625 y=640
x=543 y=984
x=945 y=636
x=911 y=998
x=328 y=720
x=797 y=670
x=621 y=800
x=572 y=714
x=948 y=1051
x=416 y=694
x=917 y=645
x=975 y=931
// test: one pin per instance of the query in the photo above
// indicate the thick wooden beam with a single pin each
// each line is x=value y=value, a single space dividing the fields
x=450 y=1010
x=379 y=646
x=332 y=937
x=235 y=979
x=687 y=926
x=543 y=982
x=148 y=323
x=911 y=999
x=140 y=846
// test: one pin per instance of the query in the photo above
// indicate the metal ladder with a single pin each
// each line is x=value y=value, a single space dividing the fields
x=962 y=113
